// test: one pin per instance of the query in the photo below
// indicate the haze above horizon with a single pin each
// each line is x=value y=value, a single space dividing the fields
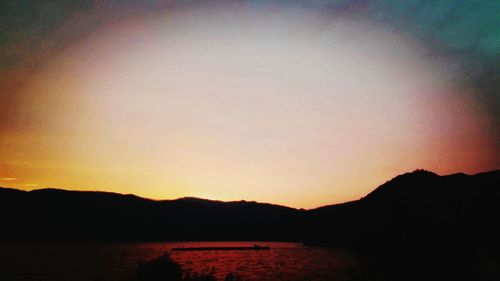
x=290 y=104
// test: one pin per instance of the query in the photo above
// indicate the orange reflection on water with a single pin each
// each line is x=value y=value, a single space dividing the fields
x=284 y=261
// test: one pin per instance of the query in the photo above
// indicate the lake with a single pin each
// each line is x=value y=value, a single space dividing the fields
x=115 y=261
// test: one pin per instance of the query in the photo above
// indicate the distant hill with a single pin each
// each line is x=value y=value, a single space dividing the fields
x=420 y=206
x=61 y=215
x=418 y=226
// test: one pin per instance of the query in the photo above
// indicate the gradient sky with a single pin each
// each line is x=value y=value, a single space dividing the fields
x=300 y=103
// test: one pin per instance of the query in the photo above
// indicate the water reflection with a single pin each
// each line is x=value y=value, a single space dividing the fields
x=284 y=261
x=117 y=261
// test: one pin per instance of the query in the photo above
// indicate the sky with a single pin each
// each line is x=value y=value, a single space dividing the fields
x=298 y=103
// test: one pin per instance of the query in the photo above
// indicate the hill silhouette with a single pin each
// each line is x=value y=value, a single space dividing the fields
x=419 y=226
x=418 y=204
x=61 y=215
x=416 y=226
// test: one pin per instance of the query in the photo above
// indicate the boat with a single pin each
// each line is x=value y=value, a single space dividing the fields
x=255 y=248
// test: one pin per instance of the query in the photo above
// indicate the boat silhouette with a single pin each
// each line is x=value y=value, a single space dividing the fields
x=254 y=247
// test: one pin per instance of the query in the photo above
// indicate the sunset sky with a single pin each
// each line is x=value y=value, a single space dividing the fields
x=299 y=103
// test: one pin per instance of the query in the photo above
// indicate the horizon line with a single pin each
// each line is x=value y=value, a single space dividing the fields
x=240 y=200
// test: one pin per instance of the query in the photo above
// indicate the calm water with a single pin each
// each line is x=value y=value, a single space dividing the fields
x=114 y=261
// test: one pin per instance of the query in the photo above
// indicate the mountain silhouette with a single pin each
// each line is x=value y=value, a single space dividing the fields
x=60 y=215
x=421 y=207
x=417 y=226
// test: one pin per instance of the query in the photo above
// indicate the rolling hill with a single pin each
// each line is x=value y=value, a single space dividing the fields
x=421 y=207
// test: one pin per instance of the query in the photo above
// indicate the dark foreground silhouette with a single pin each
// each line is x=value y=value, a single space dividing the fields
x=164 y=268
x=417 y=226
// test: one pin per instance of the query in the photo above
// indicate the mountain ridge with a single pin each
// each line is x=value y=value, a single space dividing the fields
x=410 y=205
x=418 y=172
